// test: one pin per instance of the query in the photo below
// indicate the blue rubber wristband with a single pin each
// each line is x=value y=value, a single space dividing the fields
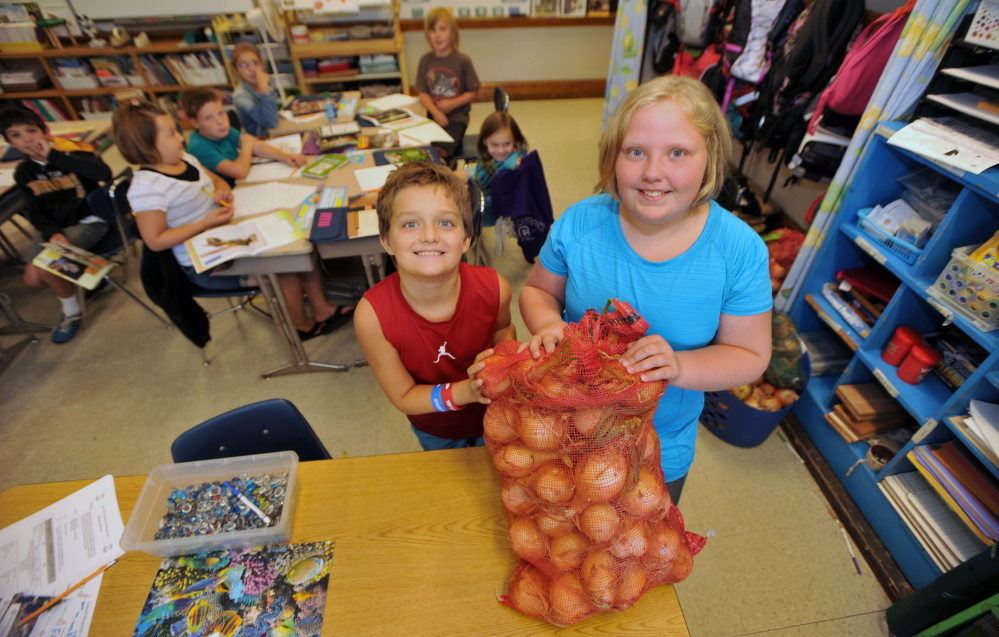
x=435 y=398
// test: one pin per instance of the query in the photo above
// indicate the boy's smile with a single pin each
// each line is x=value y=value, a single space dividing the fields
x=212 y=120
x=426 y=234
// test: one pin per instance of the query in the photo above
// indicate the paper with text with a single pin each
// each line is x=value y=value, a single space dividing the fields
x=251 y=200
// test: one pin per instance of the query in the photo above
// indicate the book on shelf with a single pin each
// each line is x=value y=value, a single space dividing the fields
x=873 y=281
x=960 y=356
x=853 y=430
x=866 y=401
x=247 y=238
x=958 y=478
x=83 y=268
x=845 y=310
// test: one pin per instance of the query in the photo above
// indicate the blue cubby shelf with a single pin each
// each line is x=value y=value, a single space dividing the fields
x=972 y=218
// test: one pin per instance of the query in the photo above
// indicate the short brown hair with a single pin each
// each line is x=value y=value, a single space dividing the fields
x=423 y=173
x=241 y=49
x=13 y=114
x=704 y=114
x=493 y=123
x=134 y=128
x=193 y=99
x=437 y=14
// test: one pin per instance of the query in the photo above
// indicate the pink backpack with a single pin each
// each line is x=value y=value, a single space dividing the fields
x=858 y=75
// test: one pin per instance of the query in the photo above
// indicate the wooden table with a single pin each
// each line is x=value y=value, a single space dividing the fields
x=421 y=549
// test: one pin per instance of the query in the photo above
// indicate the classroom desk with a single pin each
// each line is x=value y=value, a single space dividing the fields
x=421 y=549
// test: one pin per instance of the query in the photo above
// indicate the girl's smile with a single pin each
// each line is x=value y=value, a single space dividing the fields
x=500 y=144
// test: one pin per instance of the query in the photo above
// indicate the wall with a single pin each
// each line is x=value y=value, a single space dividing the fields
x=527 y=54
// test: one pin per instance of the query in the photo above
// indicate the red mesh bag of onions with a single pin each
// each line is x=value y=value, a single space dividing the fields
x=571 y=434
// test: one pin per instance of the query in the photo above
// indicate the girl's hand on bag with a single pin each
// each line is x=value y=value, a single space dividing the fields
x=546 y=339
x=653 y=355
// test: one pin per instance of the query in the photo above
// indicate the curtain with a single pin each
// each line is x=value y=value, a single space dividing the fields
x=918 y=52
x=626 y=54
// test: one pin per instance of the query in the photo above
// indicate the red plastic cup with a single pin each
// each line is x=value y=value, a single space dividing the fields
x=918 y=363
x=901 y=342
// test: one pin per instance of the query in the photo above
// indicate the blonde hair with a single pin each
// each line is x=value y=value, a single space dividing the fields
x=438 y=14
x=414 y=174
x=700 y=107
x=134 y=125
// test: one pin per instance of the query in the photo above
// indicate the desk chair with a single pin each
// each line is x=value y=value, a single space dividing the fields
x=266 y=427
x=469 y=151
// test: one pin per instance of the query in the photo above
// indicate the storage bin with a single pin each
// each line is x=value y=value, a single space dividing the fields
x=737 y=423
x=151 y=507
x=903 y=250
x=971 y=288
x=930 y=193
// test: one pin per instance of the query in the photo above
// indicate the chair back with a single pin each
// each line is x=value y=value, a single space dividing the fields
x=108 y=202
x=478 y=199
x=500 y=99
x=268 y=426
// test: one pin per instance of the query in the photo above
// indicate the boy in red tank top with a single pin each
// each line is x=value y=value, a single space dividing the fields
x=426 y=328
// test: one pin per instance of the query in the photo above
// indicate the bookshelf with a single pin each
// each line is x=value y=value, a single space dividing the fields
x=70 y=100
x=935 y=408
x=332 y=39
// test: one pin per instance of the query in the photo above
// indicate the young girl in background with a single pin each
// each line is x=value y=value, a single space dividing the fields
x=446 y=79
x=170 y=198
x=501 y=146
x=255 y=104
x=654 y=238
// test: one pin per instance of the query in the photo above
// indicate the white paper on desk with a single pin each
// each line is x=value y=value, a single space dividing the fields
x=72 y=616
x=396 y=100
x=53 y=549
x=290 y=144
x=6 y=177
x=251 y=200
x=367 y=223
x=372 y=179
x=269 y=172
x=426 y=132
x=302 y=119
x=986 y=417
x=946 y=141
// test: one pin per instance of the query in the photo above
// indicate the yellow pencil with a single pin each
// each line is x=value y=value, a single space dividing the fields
x=293 y=172
x=59 y=598
x=212 y=195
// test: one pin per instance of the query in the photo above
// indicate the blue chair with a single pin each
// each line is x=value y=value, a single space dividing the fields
x=268 y=426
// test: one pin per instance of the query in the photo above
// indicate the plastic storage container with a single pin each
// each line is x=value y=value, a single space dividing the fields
x=905 y=251
x=930 y=193
x=151 y=506
x=737 y=423
x=971 y=288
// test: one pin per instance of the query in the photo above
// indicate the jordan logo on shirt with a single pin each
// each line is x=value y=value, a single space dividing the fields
x=442 y=351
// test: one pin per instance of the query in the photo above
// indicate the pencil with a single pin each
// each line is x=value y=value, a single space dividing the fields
x=212 y=195
x=61 y=597
x=853 y=557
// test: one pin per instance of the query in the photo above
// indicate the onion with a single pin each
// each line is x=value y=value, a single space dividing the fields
x=599 y=579
x=516 y=498
x=555 y=525
x=633 y=582
x=601 y=476
x=541 y=431
x=664 y=543
x=553 y=482
x=599 y=522
x=586 y=419
x=646 y=496
x=649 y=445
x=631 y=542
x=526 y=539
x=528 y=590
x=516 y=461
x=497 y=424
x=682 y=565
x=787 y=397
x=567 y=552
x=552 y=386
x=568 y=602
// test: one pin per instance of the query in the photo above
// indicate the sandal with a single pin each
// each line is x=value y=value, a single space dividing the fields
x=340 y=318
x=318 y=329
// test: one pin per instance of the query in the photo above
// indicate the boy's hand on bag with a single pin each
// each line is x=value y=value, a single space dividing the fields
x=651 y=353
x=475 y=385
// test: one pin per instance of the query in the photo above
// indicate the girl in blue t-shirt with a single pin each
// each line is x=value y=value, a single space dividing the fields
x=655 y=239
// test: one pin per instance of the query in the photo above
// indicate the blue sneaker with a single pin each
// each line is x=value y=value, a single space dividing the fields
x=67 y=329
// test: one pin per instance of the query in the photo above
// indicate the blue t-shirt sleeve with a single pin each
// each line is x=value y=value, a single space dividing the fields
x=749 y=278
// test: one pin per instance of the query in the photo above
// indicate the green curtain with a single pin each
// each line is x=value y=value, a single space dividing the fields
x=924 y=39
x=626 y=54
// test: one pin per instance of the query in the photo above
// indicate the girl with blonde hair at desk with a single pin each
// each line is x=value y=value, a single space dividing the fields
x=653 y=237
x=170 y=198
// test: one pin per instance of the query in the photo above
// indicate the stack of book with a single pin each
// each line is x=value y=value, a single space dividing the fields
x=967 y=486
x=865 y=409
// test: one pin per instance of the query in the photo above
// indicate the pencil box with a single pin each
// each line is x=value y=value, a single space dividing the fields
x=329 y=224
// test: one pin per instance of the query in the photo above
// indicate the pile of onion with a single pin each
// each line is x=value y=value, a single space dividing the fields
x=588 y=510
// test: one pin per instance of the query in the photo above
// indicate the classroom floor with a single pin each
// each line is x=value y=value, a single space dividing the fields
x=113 y=400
